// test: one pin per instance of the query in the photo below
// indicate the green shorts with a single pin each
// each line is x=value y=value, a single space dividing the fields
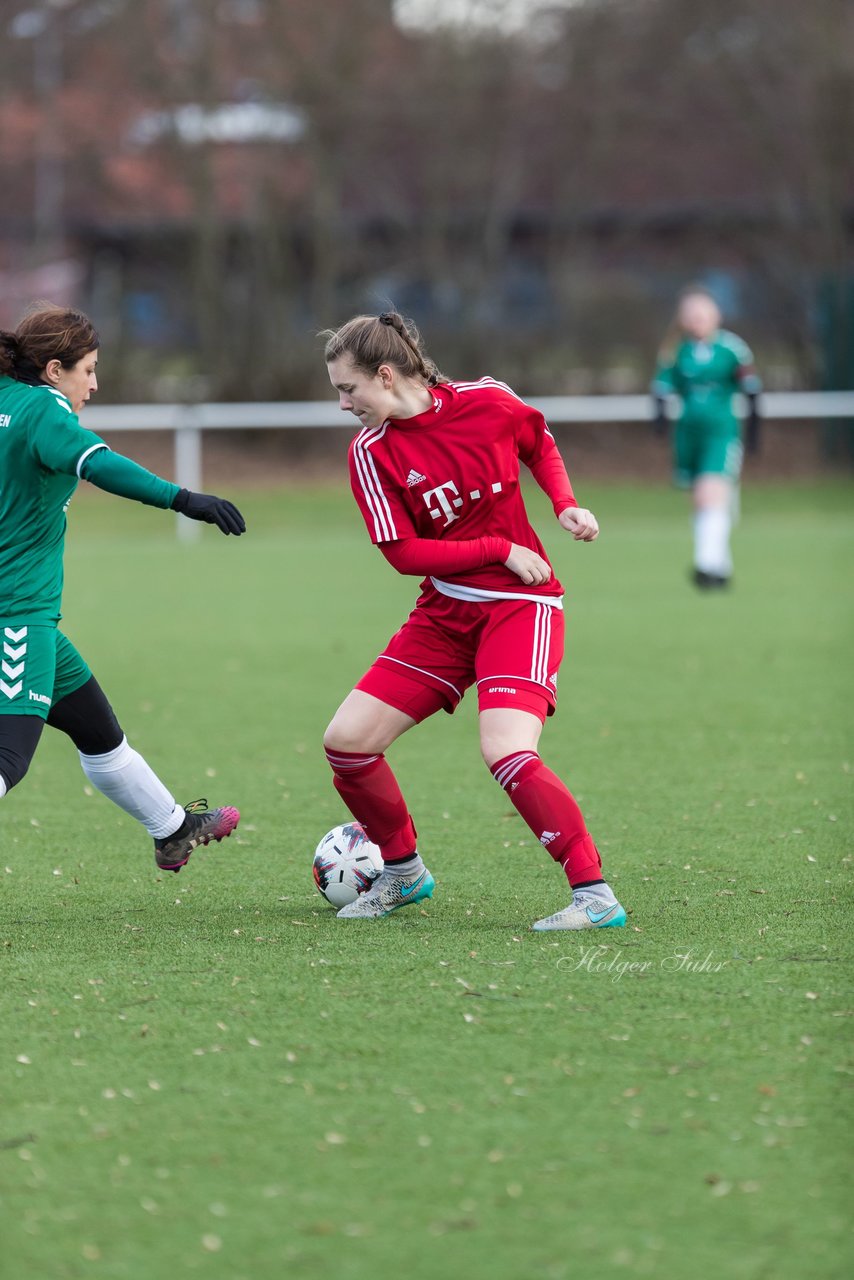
x=699 y=451
x=39 y=666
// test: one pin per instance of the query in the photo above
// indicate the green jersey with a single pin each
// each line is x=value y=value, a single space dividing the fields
x=44 y=452
x=706 y=375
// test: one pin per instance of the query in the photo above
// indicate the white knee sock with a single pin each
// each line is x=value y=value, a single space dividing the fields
x=124 y=777
x=711 y=540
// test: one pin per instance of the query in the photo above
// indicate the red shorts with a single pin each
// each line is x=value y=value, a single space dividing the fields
x=511 y=649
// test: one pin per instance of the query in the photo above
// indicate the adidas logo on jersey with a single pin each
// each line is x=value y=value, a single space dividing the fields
x=414 y=478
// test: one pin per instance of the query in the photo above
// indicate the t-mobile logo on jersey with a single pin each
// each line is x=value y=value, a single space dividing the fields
x=440 y=503
x=447 y=505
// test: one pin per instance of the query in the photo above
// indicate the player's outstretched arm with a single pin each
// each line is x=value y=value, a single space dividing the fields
x=210 y=509
x=580 y=522
x=127 y=479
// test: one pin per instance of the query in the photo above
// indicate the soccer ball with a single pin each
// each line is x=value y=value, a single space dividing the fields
x=346 y=864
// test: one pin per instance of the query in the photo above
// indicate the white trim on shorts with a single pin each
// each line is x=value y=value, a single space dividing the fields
x=383 y=657
x=477 y=595
x=526 y=679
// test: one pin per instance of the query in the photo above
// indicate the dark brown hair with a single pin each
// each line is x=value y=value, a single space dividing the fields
x=46 y=333
x=383 y=339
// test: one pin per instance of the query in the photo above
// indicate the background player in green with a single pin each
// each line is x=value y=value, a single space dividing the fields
x=706 y=365
x=47 y=373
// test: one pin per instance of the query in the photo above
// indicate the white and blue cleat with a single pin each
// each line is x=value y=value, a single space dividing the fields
x=586 y=911
x=389 y=893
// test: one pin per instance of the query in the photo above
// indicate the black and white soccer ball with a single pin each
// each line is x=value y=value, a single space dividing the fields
x=346 y=864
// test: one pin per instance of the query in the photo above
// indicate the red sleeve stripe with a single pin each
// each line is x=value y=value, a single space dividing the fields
x=376 y=501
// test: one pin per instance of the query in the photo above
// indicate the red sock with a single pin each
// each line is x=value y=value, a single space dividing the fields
x=550 y=811
x=369 y=789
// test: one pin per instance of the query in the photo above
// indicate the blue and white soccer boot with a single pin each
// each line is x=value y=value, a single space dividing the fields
x=588 y=910
x=389 y=893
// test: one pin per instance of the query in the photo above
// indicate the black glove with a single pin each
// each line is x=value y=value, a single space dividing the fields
x=204 y=506
x=751 y=430
x=661 y=423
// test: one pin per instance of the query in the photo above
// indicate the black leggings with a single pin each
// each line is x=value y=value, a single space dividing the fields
x=84 y=715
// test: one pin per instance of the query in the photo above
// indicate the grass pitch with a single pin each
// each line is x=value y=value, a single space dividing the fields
x=207 y=1074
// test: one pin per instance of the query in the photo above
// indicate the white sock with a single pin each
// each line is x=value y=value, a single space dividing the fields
x=3 y=787
x=124 y=777
x=602 y=891
x=711 y=540
x=409 y=867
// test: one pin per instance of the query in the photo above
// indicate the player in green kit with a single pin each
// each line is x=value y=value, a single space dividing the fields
x=706 y=365
x=47 y=374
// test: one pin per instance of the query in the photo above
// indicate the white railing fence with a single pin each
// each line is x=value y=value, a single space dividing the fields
x=188 y=421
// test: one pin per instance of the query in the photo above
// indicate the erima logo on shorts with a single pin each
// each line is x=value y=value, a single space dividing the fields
x=39 y=697
x=501 y=688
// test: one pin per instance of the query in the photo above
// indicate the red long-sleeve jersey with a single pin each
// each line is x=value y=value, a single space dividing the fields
x=452 y=474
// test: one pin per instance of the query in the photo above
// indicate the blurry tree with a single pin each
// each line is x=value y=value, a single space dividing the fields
x=726 y=127
x=334 y=62
x=538 y=192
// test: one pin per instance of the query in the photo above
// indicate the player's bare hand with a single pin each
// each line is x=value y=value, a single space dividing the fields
x=527 y=565
x=580 y=522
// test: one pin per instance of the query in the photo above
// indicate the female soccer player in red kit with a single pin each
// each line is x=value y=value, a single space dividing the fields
x=435 y=471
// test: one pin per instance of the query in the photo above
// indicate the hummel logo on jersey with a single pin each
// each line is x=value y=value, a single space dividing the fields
x=414 y=478
x=547 y=837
